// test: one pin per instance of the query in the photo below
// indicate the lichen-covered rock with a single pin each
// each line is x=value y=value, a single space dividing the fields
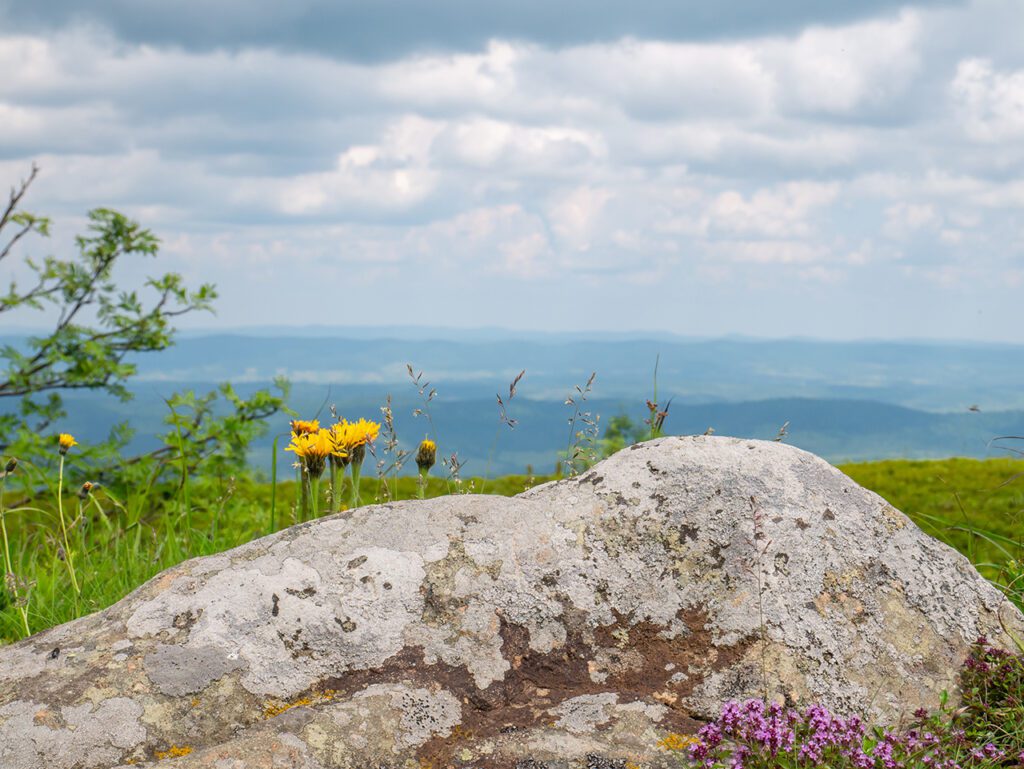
x=574 y=625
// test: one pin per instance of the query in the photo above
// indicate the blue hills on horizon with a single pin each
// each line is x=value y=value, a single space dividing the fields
x=842 y=400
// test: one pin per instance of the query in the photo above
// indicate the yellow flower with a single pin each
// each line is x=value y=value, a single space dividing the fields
x=365 y=431
x=317 y=444
x=313 y=449
x=349 y=435
x=305 y=427
x=426 y=455
x=65 y=441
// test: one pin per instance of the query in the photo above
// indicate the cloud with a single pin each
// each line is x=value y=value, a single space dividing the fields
x=780 y=212
x=990 y=103
x=369 y=30
x=851 y=70
x=474 y=159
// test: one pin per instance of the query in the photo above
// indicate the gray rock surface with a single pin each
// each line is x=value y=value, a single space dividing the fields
x=576 y=624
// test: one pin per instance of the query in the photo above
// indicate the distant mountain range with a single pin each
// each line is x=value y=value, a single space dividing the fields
x=843 y=400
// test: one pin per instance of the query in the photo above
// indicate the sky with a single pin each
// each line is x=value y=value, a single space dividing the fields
x=795 y=168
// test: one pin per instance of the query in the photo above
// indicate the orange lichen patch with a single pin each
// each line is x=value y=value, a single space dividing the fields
x=271 y=709
x=276 y=708
x=173 y=752
x=631 y=765
x=674 y=741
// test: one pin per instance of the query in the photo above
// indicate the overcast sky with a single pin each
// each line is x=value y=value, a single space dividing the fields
x=827 y=169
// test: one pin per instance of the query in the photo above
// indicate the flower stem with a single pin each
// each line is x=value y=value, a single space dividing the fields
x=68 y=559
x=303 y=495
x=8 y=568
x=422 y=485
x=355 y=501
x=337 y=477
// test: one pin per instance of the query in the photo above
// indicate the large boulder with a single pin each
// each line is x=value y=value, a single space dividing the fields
x=574 y=625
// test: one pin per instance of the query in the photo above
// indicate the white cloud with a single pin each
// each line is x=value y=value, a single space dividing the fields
x=990 y=103
x=575 y=215
x=843 y=69
x=782 y=211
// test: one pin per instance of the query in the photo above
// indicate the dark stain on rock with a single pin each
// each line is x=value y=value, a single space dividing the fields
x=357 y=562
x=600 y=762
x=439 y=608
x=387 y=586
x=654 y=470
x=828 y=515
x=347 y=625
x=186 y=619
x=660 y=500
x=717 y=559
x=275 y=609
x=687 y=532
x=802 y=524
x=635 y=484
x=306 y=592
x=635 y=657
x=293 y=643
x=55 y=653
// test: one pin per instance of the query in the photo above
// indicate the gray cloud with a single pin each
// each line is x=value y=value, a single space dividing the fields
x=374 y=30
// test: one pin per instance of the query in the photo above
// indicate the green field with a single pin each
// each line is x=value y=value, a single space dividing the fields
x=119 y=540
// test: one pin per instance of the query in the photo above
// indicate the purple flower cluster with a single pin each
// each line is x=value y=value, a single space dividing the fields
x=756 y=735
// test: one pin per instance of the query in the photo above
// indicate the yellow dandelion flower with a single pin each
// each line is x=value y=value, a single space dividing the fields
x=314 y=449
x=351 y=438
x=65 y=441
x=365 y=431
x=305 y=426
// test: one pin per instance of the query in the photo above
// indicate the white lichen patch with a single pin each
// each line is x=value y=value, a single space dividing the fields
x=583 y=714
x=34 y=735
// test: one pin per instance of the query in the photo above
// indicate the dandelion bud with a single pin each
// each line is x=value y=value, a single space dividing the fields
x=86 y=490
x=426 y=455
x=12 y=463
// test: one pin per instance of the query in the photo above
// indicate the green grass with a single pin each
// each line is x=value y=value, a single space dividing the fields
x=123 y=538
